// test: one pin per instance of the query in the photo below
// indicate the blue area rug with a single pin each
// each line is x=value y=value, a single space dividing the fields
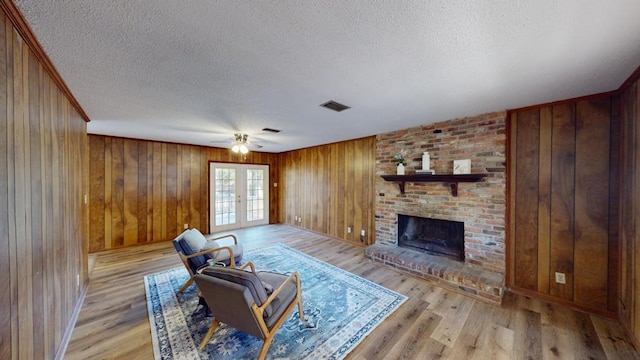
x=341 y=309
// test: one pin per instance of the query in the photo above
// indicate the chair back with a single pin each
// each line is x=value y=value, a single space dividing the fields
x=196 y=262
x=230 y=293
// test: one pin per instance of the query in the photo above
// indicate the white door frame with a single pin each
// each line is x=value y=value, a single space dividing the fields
x=241 y=197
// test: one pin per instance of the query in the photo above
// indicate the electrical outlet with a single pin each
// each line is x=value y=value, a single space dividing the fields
x=348 y=229
x=186 y=226
x=362 y=236
x=561 y=278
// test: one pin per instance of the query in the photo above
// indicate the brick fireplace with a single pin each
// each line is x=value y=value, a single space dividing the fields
x=480 y=206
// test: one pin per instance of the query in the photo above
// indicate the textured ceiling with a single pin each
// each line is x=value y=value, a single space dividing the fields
x=196 y=71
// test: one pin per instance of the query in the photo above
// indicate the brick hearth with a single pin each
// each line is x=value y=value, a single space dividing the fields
x=481 y=206
x=472 y=280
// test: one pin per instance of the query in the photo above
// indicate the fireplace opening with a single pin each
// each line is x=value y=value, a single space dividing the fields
x=434 y=236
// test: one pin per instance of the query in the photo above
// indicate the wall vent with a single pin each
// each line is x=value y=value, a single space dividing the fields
x=335 y=106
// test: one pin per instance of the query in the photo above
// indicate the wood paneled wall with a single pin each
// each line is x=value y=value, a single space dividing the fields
x=43 y=258
x=330 y=188
x=630 y=211
x=145 y=191
x=564 y=183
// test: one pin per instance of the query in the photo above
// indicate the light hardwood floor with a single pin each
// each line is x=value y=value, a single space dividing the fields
x=432 y=324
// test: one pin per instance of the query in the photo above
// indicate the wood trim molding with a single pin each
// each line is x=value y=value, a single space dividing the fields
x=630 y=335
x=566 y=101
x=66 y=337
x=630 y=80
x=21 y=25
x=567 y=303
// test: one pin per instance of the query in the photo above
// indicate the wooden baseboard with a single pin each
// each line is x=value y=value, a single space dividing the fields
x=569 y=304
x=630 y=335
x=72 y=323
x=327 y=235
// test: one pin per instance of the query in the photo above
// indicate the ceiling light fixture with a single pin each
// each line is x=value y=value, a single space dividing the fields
x=241 y=144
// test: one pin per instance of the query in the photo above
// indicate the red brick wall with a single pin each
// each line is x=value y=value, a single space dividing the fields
x=481 y=206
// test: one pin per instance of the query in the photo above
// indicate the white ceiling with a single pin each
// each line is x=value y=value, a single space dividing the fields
x=196 y=71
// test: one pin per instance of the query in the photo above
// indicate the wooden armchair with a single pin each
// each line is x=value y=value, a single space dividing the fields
x=256 y=303
x=194 y=261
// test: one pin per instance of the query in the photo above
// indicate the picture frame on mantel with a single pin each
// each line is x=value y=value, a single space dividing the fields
x=462 y=166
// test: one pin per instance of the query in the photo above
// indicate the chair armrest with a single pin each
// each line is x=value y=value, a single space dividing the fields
x=277 y=291
x=232 y=261
x=249 y=264
x=213 y=238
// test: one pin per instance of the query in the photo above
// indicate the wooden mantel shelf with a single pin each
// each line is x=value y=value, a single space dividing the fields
x=446 y=178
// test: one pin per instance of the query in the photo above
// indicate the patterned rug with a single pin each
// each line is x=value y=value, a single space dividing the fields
x=341 y=310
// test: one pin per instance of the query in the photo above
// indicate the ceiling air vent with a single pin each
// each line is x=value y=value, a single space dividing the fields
x=275 y=131
x=335 y=106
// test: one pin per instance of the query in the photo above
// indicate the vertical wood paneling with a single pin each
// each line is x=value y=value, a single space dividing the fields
x=150 y=189
x=157 y=190
x=526 y=229
x=141 y=204
x=117 y=192
x=13 y=122
x=171 y=192
x=614 y=203
x=512 y=161
x=564 y=202
x=330 y=186
x=97 y=191
x=49 y=242
x=130 y=190
x=42 y=179
x=635 y=217
x=6 y=319
x=21 y=129
x=35 y=176
x=562 y=199
x=107 y=194
x=544 y=200
x=629 y=241
x=195 y=205
x=592 y=202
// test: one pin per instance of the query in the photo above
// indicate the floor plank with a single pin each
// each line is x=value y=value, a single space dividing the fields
x=434 y=323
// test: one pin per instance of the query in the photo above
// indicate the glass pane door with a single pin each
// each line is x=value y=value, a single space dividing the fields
x=224 y=190
x=239 y=196
x=256 y=190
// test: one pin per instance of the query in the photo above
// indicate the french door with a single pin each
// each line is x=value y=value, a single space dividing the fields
x=239 y=196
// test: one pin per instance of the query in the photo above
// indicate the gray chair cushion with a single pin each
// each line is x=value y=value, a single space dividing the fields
x=241 y=277
x=195 y=239
x=224 y=255
x=195 y=262
x=230 y=303
x=254 y=283
x=277 y=307
x=179 y=237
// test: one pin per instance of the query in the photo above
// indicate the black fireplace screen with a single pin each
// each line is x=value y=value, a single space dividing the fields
x=434 y=236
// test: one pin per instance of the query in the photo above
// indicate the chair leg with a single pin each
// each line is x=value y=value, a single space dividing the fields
x=265 y=347
x=300 y=310
x=207 y=337
x=185 y=286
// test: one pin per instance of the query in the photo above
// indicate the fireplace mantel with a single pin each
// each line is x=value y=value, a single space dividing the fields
x=453 y=179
